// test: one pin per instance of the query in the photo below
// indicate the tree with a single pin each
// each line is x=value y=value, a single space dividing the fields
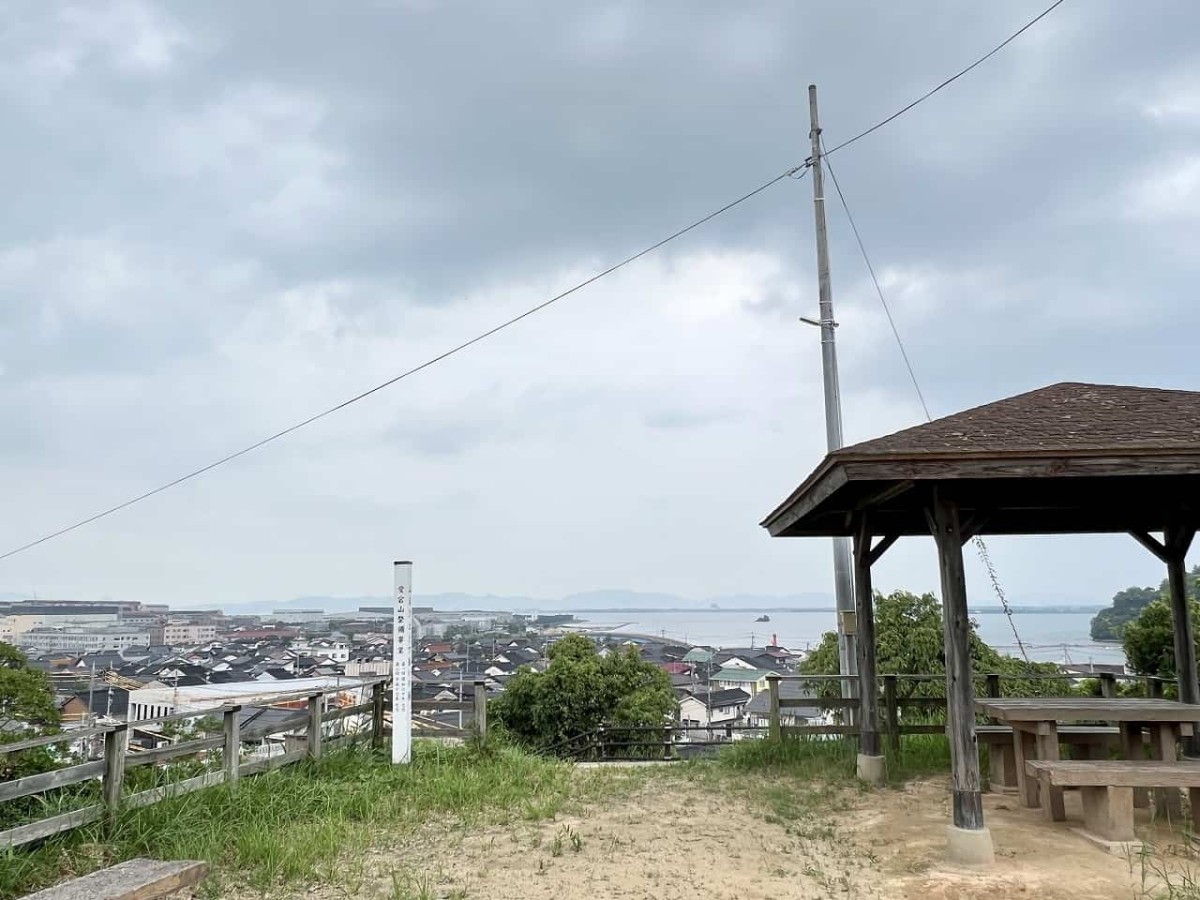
x=909 y=640
x=1127 y=605
x=581 y=691
x=26 y=698
x=1149 y=640
x=27 y=709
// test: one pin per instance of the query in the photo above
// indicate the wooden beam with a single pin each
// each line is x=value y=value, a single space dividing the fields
x=973 y=524
x=960 y=695
x=45 y=781
x=44 y=828
x=868 y=684
x=883 y=496
x=1151 y=543
x=881 y=548
x=799 y=504
x=134 y=879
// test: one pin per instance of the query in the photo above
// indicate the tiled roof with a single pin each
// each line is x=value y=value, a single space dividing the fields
x=743 y=675
x=728 y=697
x=1062 y=417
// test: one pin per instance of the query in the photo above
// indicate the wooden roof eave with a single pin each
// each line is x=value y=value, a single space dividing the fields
x=839 y=469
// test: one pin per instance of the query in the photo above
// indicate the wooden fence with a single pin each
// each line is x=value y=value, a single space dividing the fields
x=895 y=701
x=307 y=734
x=907 y=706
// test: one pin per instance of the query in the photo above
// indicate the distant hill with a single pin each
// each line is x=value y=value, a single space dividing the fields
x=587 y=601
x=1128 y=604
x=623 y=599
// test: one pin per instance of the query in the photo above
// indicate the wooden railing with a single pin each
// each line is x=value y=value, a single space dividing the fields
x=906 y=707
x=894 y=701
x=308 y=733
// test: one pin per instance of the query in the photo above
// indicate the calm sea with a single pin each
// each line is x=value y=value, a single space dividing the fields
x=1049 y=637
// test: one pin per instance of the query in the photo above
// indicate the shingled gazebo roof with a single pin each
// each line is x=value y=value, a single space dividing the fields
x=1065 y=458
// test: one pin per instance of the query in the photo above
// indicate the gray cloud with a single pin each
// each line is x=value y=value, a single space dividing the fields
x=224 y=217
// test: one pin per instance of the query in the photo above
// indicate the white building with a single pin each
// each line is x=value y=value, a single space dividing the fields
x=13 y=625
x=337 y=651
x=183 y=634
x=717 y=708
x=157 y=699
x=296 y=616
x=83 y=640
x=365 y=668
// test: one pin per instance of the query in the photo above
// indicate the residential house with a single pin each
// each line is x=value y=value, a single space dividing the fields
x=758 y=710
x=715 y=708
x=750 y=680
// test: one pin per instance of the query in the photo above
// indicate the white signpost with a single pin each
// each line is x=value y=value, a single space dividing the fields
x=402 y=638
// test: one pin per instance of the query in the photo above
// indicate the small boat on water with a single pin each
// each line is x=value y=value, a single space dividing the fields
x=763 y=618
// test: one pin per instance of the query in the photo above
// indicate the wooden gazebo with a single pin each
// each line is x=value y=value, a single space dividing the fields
x=1069 y=458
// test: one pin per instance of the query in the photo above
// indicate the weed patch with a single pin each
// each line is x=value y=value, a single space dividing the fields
x=298 y=823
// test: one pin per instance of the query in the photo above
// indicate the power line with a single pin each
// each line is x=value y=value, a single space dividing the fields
x=980 y=547
x=413 y=371
x=1008 y=40
x=795 y=171
x=878 y=290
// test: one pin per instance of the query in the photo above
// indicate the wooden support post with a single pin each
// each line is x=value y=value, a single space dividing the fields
x=1132 y=747
x=1178 y=540
x=1051 y=797
x=314 y=725
x=378 y=694
x=481 y=726
x=965 y=782
x=1108 y=684
x=232 y=728
x=993 y=685
x=1164 y=745
x=116 y=742
x=1025 y=748
x=1154 y=687
x=891 y=708
x=993 y=690
x=868 y=683
x=774 y=731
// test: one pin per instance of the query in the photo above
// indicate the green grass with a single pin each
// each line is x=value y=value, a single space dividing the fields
x=920 y=756
x=309 y=822
x=834 y=760
x=803 y=780
x=299 y=823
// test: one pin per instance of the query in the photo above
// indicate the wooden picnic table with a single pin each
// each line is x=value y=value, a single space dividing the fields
x=1035 y=720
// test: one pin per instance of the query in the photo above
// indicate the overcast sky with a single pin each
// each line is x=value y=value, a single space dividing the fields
x=220 y=218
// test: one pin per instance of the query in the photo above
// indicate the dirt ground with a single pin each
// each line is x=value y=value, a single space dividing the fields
x=668 y=838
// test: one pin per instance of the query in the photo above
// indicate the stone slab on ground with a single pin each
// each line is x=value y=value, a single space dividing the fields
x=1124 y=849
x=134 y=879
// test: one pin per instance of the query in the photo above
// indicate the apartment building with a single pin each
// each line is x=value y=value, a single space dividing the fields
x=182 y=634
x=83 y=639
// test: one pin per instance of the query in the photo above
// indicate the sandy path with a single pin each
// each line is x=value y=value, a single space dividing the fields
x=668 y=838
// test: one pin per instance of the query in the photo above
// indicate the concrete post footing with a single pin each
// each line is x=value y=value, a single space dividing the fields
x=969 y=846
x=871 y=769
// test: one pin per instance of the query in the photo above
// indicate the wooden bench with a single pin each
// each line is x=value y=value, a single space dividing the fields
x=134 y=879
x=1106 y=786
x=1084 y=740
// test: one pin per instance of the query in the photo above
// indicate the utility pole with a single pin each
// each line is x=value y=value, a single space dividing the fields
x=843 y=577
